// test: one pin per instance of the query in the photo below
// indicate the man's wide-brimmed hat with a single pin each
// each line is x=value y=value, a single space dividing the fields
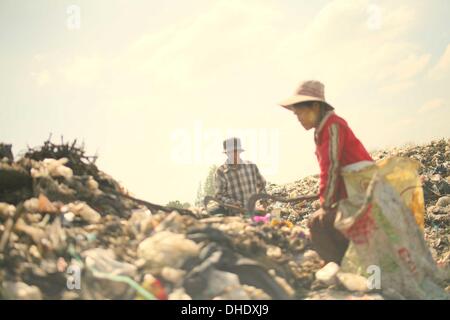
x=310 y=90
x=232 y=144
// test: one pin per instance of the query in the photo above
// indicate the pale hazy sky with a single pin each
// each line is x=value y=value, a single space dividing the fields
x=155 y=86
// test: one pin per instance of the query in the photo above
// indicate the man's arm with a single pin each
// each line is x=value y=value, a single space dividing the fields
x=260 y=181
x=330 y=152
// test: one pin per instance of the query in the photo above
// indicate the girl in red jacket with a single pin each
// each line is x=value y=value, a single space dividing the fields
x=336 y=147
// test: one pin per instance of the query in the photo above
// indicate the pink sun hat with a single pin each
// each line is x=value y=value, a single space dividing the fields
x=310 y=90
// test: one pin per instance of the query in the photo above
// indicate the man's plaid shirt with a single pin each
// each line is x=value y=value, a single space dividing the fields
x=235 y=183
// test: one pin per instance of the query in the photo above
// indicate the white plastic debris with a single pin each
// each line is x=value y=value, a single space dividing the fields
x=37 y=234
x=173 y=275
x=166 y=248
x=51 y=167
x=93 y=186
x=34 y=251
x=221 y=281
x=7 y=210
x=140 y=221
x=179 y=294
x=443 y=202
x=328 y=273
x=31 y=205
x=104 y=261
x=69 y=216
x=308 y=256
x=101 y=264
x=353 y=282
x=274 y=252
x=276 y=213
x=83 y=210
x=255 y=293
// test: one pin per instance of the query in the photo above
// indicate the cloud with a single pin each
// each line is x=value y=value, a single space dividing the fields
x=442 y=67
x=238 y=40
x=226 y=39
x=404 y=71
x=83 y=71
x=396 y=87
x=431 y=106
x=230 y=35
x=78 y=70
x=41 y=78
x=342 y=47
x=406 y=122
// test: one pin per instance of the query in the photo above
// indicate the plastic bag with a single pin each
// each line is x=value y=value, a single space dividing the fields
x=399 y=172
x=385 y=237
x=102 y=268
x=166 y=248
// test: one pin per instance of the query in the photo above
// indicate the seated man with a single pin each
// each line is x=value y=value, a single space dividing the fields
x=336 y=147
x=236 y=180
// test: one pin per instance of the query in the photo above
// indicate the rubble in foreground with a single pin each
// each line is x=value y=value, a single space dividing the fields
x=69 y=231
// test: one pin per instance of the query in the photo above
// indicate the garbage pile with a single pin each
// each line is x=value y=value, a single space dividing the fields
x=70 y=231
x=435 y=175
